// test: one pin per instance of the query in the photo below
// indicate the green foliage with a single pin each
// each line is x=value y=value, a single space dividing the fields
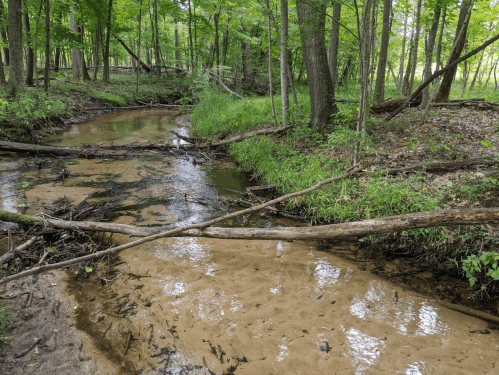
x=218 y=115
x=485 y=263
x=18 y=117
x=5 y=324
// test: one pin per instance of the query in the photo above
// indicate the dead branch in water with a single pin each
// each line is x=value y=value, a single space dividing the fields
x=173 y=232
x=90 y=151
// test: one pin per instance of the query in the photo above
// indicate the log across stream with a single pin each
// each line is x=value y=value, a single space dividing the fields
x=209 y=305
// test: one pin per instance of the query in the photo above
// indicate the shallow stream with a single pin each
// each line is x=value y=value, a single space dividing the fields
x=205 y=306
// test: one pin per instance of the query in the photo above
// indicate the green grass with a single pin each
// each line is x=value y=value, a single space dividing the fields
x=219 y=114
x=5 y=324
x=343 y=201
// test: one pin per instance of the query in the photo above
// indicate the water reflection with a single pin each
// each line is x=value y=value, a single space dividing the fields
x=378 y=304
x=364 y=349
x=415 y=369
x=325 y=274
x=173 y=287
x=429 y=322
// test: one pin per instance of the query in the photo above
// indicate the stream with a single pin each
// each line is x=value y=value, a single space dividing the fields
x=210 y=306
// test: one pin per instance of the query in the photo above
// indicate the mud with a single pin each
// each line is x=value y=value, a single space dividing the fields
x=201 y=306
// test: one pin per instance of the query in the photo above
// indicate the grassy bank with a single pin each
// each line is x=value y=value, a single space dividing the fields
x=36 y=110
x=304 y=156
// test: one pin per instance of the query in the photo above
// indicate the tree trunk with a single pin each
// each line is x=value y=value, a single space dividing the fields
x=414 y=56
x=46 y=73
x=2 y=72
x=216 y=50
x=75 y=52
x=178 y=64
x=438 y=58
x=191 y=46
x=284 y=61
x=105 y=56
x=83 y=65
x=473 y=216
x=335 y=42
x=157 y=50
x=312 y=24
x=138 y=42
x=364 y=30
x=98 y=35
x=29 y=51
x=57 y=58
x=3 y=35
x=462 y=26
x=247 y=63
x=430 y=45
x=271 y=89
x=465 y=69
x=379 y=90
x=16 y=82
x=402 y=54
x=476 y=71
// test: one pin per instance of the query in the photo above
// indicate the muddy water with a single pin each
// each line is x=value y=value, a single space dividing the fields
x=203 y=306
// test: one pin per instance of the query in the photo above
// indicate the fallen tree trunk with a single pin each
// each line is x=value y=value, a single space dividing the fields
x=321 y=232
x=142 y=64
x=90 y=151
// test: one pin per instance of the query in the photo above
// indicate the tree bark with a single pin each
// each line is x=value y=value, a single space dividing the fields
x=335 y=42
x=269 y=51
x=75 y=52
x=16 y=82
x=430 y=45
x=3 y=35
x=379 y=88
x=57 y=57
x=46 y=74
x=462 y=27
x=105 y=55
x=311 y=18
x=29 y=51
x=284 y=62
x=177 y=52
x=402 y=54
x=157 y=50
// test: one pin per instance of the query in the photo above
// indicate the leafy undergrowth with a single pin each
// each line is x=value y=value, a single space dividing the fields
x=304 y=156
x=5 y=325
x=35 y=109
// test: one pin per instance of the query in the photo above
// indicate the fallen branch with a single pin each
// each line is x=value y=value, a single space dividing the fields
x=6 y=258
x=173 y=232
x=90 y=151
x=223 y=85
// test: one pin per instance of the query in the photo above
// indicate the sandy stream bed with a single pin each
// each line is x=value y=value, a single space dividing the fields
x=198 y=306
